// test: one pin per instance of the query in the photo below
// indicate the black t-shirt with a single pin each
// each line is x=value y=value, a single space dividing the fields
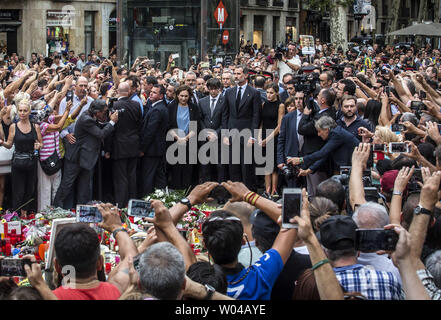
x=296 y=264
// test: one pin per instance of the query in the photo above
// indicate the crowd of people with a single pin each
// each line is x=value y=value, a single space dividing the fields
x=357 y=131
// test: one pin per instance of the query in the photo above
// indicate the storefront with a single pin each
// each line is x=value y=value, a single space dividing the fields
x=9 y=22
x=58 y=29
x=190 y=28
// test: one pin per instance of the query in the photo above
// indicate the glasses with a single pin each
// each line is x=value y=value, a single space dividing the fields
x=298 y=98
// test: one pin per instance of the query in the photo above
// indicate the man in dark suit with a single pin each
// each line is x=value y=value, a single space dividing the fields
x=211 y=108
x=122 y=146
x=82 y=159
x=242 y=111
x=290 y=142
x=153 y=142
x=339 y=146
x=313 y=142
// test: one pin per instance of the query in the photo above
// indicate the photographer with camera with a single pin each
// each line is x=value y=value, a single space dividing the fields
x=287 y=60
x=290 y=142
x=122 y=146
x=84 y=153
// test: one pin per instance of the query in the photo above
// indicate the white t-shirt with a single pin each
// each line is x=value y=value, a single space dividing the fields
x=284 y=68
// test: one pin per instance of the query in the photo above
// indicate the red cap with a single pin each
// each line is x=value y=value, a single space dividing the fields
x=388 y=180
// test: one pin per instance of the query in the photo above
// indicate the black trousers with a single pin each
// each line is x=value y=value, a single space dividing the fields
x=213 y=171
x=124 y=178
x=24 y=184
x=153 y=174
x=72 y=171
x=242 y=172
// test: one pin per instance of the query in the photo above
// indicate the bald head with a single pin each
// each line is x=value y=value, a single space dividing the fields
x=123 y=89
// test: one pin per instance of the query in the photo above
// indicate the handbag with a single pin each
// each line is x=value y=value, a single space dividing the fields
x=23 y=160
x=51 y=165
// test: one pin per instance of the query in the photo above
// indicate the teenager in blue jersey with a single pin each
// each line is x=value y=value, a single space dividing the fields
x=223 y=237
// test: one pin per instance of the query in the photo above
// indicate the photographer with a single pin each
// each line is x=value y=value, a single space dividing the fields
x=122 y=146
x=288 y=62
x=85 y=152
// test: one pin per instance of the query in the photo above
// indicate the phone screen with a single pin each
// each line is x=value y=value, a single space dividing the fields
x=140 y=208
x=368 y=240
x=379 y=147
x=89 y=214
x=13 y=267
x=398 y=147
x=292 y=200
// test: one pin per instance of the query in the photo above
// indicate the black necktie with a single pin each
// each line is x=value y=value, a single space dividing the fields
x=213 y=100
x=238 y=97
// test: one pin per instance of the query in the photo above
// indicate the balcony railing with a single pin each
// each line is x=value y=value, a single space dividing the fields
x=277 y=3
x=293 y=4
x=262 y=3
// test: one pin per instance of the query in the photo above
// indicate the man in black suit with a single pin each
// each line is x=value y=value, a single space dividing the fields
x=83 y=158
x=153 y=142
x=242 y=111
x=191 y=81
x=313 y=142
x=290 y=142
x=211 y=108
x=122 y=146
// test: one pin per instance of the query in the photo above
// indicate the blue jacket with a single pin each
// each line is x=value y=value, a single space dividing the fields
x=288 y=142
x=339 y=147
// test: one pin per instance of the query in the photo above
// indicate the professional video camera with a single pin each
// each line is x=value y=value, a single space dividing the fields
x=334 y=65
x=112 y=108
x=280 y=51
x=306 y=81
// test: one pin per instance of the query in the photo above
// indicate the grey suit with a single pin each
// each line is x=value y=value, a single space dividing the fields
x=213 y=121
x=82 y=159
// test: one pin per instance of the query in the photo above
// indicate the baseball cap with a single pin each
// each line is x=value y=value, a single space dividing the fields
x=388 y=180
x=338 y=233
x=263 y=225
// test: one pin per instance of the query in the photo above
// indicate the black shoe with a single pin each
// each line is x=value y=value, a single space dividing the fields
x=275 y=196
x=266 y=195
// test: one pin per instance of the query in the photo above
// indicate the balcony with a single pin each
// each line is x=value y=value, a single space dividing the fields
x=244 y=3
x=262 y=3
x=278 y=3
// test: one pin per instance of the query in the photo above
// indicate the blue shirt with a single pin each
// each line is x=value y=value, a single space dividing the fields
x=183 y=118
x=373 y=284
x=259 y=282
x=136 y=98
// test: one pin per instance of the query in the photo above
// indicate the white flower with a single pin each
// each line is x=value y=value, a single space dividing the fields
x=173 y=203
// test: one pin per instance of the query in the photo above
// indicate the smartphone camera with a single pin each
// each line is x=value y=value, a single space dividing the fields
x=398 y=147
x=88 y=214
x=379 y=148
x=423 y=95
x=292 y=204
x=140 y=208
x=397 y=127
x=69 y=96
x=371 y=240
x=220 y=193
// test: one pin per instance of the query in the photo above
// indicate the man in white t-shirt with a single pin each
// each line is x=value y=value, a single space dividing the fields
x=290 y=62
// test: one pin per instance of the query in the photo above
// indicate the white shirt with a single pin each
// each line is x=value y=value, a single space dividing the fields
x=243 y=88
x=299 y=136
x=76 y=103
x=284 y=68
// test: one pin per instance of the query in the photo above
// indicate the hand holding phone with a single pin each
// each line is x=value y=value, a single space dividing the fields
x=88 y=214
x=140 y=208
x=292 y=204
x=398 y=147
x=371 y=240
x=13 y=267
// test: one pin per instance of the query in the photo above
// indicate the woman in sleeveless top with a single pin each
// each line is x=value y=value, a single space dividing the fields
x=27 y=138
x=272 y=114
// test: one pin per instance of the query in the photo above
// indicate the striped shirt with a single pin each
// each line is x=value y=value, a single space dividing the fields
x=373 y=284
x=50 y=140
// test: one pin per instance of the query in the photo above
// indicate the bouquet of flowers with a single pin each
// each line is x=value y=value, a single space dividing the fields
x=168 y=197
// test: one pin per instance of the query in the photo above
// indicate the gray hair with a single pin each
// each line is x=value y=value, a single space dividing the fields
x=325 y=123
x=433 y=264
x=371 y=215
x=409 y=116
x=191 y=73
x=162 y=271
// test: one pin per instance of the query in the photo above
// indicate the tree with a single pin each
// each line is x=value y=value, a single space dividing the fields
x=338 y=18
x=394 y=12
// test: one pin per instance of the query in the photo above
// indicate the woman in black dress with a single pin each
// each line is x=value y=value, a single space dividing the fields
x=271 y=119
x=26 y=137
x=181 y=112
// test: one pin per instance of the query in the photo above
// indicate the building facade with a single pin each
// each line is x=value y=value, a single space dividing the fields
x=47 y=26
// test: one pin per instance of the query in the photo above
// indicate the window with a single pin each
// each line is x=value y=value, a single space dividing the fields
x=89 y=31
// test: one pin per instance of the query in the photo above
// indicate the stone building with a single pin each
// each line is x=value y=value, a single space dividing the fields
x=45 y=26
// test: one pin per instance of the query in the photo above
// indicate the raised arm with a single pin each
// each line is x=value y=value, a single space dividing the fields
x=360 y=158
x=400 y=185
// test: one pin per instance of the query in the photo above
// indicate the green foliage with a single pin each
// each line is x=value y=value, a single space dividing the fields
x=325 y=5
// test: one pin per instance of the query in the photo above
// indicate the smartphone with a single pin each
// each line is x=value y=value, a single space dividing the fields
x=292 y=204
x=369 y=240
x=387 y=90
x=379 y=147
x=417 y=105
x=175 y=56
x=371 y=194
x=59 y=87
x=181 y=74
x=417 y=175
x=398 y=147
x=69 y=96
x=13 y=267
x=205 y=65
x=220 y=193
x=140 y=208
x=88 y=214
x=423 y=95
x=136 y=262
x=397 y=127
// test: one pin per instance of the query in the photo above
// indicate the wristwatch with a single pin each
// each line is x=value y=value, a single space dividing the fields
x=186 y=202
x=420 y=210
x=210 y=292
x=398 y=193
x=118 y=230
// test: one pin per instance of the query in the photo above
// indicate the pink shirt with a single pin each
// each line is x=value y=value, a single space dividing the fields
x=50 y=140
